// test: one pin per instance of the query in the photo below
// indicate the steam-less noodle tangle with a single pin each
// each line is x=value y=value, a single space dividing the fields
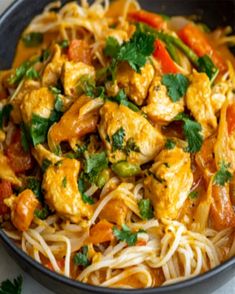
x=117 y=145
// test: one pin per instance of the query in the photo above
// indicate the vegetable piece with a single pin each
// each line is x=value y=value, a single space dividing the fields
x=101 y=232
x=166 y=62
x=192 y=132
x=38 y=129
x=64 y=44
x=153 y=20
x=35 y=185
x=222 y=212
x=42 y=213
x=15 y=287
x=193 y=195
x=176 y=84
x=125 y=234
x=223 y=175
x=45 y=164
x=231 y=118
x=121 y=98
x=205 y=64
x=81 y=258
x=5 y=114
x=131 y=147
x=197 y=40
x=5 y=192
x=80 y=51
x=24 y=138
x=125 y=169
x=20 y=161
x=118 y=139
x=23 y=210
x=170 y=144
x=25 y=70
x=82 y=189
x=146 y=208
x=102 y=178
x=32 y=39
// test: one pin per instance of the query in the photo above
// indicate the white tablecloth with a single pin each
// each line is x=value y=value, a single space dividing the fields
x=8 y=268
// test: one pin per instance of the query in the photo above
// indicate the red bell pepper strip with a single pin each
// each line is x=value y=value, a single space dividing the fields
x=167 y=63
x=151 y=19
x=198 y=42
x=5 y=192
x=231 y=118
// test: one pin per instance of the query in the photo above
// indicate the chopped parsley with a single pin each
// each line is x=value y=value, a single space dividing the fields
x=145 y=208
x=176 y=84
x=223 y=175
x=82 y=189
x=121 y=98
x=193 y=195
x=45 y=164
x=5 y=113
x=32 y=39
x=34 y=184
x=118 y=139
x=170 y=144
x=192 y=132
x=131 y=146
x=38 y=129
x=64 y=182
x=24 y=138
x=205 y=64
x=25 y=70
x=81 y=258
x=125 y=234
x=15 y=287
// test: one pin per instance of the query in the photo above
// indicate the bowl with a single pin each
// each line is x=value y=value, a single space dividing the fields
x=12 y=22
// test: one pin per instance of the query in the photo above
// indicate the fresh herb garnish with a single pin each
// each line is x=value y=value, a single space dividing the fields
x=205 y=64
x=42 y=213
x=176 y=84
x=94 y=164
x=64 y=44
x=24 y=138
x=87 y=86
x=121 y=98
x=82 y=189
x=125 y=234
x=81 y=258
x=34 y=184
x=193 y=195
x=38 y=129
x=170 y=144
x=131 y=146
x=223 y=175
x=145 y=208
x=32 y=39
x=5 y=114
x=192 y=131
x=15 y=287
x=45 y=164
x=25 y=70
x=64 y=182
x=118 y=139
x=45 y=55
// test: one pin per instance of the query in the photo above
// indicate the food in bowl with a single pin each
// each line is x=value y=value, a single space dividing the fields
x=117 y=145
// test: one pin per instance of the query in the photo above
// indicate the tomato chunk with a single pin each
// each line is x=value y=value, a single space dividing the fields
x=5 y=192
x=199 y=43
x=80 y=51
x=167 y=63
x=20 y=161
x=154 y=20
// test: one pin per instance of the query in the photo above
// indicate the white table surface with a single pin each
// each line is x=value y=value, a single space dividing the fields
x=9 y=269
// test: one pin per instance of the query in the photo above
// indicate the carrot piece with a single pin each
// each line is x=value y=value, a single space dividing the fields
x=167 y=63
x=20 y=161
x=231 y=118
x=198 y=42
x=154 y=20
x=222 y=213
x=101 y=232
x=79 y=51
x=5 y=192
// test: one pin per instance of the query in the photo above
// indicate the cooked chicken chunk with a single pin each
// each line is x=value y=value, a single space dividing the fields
x=115 y=212
x=61 y=191
x=6 y=172
x=169 y=182
x=198 y=100
x=160 y=107
x=136 y=129
x=53 y=70
x=40 y=102
x=135 y=84
x=72 y=73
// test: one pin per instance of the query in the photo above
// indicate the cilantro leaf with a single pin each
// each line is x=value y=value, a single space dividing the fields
x=32 y=39
x=170 y=144
x=121 y=98
x=15 y=287
x=24 y=70
x=87 y=86
x=118 y=139
x=112 y=47
x=38 y=129
x=146 y=209
x=34 y=184
x=192 y=132
x=5 y=113
x=193 y=195
x=82 y=189
x=81 y=258
x=64 y=182
x=24 y=137
x=223 y=175
x=205 y=64
x=45 y=164
x=45 y=55
x=42 y=213
x=176 y=84
x=95 y=164
x=125 y=234
x=131 y=146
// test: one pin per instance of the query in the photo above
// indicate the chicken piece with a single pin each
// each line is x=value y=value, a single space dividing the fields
x=72 y=73
x=79 y=120
x=53 y=69
x=115 y=212
x=40 y=153
x=198 y=100
x=6 y=172
x=40 y=102
x=61 y=191
x=80 y=51
x=22 y=210
x=135 y=84
x=160 y=107
x=169 y=182
x=218 y=95
x=147 y=140
x=28 y=86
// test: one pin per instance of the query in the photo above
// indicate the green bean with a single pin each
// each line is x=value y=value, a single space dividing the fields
x=125 y=169
x=102 y=178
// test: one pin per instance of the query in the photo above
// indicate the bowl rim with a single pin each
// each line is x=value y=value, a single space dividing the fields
x=97 y=289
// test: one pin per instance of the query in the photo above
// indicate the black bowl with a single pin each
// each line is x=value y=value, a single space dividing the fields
x=12 y=22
